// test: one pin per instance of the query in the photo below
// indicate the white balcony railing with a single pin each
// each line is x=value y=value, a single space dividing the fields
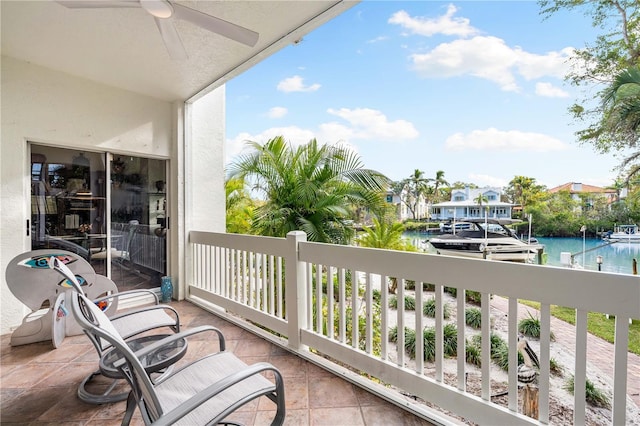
x=280 y=285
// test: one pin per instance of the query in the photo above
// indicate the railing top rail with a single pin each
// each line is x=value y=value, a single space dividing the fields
x=269 y=245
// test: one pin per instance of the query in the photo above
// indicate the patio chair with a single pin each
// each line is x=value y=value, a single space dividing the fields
x=128 y=324
x=205 y=391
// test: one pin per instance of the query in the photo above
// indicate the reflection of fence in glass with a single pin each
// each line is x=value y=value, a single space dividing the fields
x=145 y=249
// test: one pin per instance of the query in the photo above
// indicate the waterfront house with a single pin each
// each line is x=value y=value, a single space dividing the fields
x=403 y=212
x=464 y=203
x=588 y=195
x=95 y=114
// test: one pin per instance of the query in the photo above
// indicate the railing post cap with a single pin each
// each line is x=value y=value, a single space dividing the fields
x=298 y=235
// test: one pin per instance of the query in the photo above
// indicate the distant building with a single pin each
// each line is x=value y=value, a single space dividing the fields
x=578 y=191
x=464 y=205
x=402 y=211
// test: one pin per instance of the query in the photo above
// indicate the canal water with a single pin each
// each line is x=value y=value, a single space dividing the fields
x=617 y=257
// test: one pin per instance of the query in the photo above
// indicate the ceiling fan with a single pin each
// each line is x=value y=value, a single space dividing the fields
x=164 y=12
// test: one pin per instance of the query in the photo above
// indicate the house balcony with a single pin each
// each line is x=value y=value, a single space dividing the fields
x=270 y=297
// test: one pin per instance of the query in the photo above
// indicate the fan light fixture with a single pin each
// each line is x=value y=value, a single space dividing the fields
x=158 y=8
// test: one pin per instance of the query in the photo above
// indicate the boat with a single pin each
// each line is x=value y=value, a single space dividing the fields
x=487 y=239
x=623 y=234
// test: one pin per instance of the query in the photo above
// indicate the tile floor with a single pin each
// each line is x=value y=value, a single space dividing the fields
x=38 y=384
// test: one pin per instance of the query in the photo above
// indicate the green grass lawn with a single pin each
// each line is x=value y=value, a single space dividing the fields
x=597 y=324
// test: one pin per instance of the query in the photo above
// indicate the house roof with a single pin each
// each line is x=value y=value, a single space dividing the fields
x=122 y=47
x=572 y=187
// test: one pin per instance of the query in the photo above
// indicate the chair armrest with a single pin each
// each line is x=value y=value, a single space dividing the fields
x=175 y=337
x=128 y=293
x=209 y=392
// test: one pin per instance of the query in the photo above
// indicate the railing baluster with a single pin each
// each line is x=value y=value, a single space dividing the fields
x=384 y=324
x=281 y=314
x=485 y=307
x=330 y=304
x=439 y=336
x=419 y=330
x=460 y=307
x=368 y=294
x=355 y=288
x=310 y=292
x=620 y=371
x=580 y=376
x=318 y=283
x=513 y=352
x=400 y=320
x=342 y=286
x=264 y=283
x=545 y=359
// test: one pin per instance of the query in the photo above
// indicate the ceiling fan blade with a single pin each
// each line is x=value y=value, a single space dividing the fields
x=94 y=4
x=216 y=25
x=171 y=38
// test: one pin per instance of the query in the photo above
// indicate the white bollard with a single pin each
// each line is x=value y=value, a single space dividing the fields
x=565 y=259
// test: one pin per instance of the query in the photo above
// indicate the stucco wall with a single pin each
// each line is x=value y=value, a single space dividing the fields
x=49 y=107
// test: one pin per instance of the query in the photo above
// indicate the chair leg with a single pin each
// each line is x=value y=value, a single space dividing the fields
x=131 y=408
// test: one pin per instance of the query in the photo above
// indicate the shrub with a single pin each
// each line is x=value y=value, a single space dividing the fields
x=499 y=350
x=411 y=285
x=393 y=302
x=409 y=303
x=376 y=295
x=555 y=367
x=470 y=295
x=393 y=334
x=594 y=396
x=429 y=308
x=450 y=334
x=473 y=354
x=531 y=327
x=450 y=340
x=473 y=317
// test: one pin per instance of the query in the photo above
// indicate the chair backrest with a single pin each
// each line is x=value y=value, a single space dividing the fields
x=96 y=323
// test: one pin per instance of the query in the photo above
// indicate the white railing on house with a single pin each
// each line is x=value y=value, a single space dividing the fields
x=281 y=285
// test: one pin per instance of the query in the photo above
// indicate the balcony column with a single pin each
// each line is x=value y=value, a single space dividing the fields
x=296 y=289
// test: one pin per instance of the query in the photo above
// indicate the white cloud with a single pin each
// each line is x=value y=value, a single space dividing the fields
x=277 y=112
x=550 y=91
x=296 y=84
x=490 y=58
x=378 y=39
x=361 y=124
x=293 y=134
x=485 y=57
x=446 y=24
x=366 y=123
x=553 y=64
x=486 y=180
x=497 y=140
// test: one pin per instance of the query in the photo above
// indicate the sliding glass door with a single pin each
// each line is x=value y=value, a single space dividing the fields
x=138 y=220
x=111 y=212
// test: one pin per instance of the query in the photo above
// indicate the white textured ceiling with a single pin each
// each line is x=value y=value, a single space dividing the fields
x=123 y=48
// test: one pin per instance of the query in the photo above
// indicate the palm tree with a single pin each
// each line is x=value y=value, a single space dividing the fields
x=385 y=234
x=311 y=188
x=239 y=207
x=438 y=182
x=411 y=190
x=480 y=199
x=621 y=105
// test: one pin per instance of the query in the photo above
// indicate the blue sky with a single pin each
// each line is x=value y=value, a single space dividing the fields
x=473 y=88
